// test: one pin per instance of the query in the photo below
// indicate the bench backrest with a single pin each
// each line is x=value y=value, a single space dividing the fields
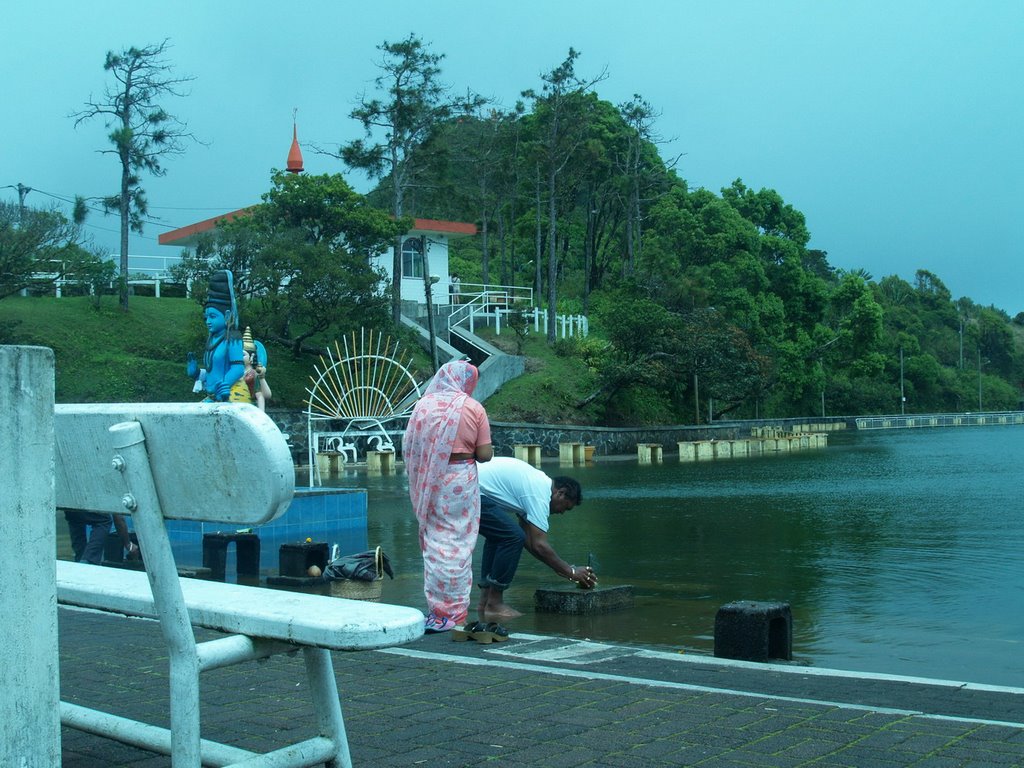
x=217 y=462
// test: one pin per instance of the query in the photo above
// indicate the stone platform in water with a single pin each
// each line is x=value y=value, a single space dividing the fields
x=578 y=601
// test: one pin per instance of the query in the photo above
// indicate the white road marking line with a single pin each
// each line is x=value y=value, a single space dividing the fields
x=586 y=675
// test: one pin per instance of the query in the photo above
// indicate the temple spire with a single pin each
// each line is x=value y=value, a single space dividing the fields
x=295 y=153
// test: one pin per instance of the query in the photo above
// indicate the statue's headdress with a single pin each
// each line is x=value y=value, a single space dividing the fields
x=247 y=343
x=221 y=295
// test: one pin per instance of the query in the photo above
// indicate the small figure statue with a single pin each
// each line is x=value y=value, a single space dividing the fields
x=223 y=362
x=253 y=388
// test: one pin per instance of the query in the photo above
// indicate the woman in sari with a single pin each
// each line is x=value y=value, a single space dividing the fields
x=448 y=433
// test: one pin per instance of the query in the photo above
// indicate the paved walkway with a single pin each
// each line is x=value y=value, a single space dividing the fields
x=541 y=701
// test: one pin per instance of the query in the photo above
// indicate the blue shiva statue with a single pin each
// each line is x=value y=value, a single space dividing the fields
x=223 y=360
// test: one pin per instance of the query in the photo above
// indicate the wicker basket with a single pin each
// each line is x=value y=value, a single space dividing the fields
x=357 y=589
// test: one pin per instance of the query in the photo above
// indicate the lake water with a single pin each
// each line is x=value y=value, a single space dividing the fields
x=899 y=551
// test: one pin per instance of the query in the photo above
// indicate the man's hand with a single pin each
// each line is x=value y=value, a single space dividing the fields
x=585 y=578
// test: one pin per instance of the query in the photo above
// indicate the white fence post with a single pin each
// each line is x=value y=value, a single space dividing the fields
x=30 y=697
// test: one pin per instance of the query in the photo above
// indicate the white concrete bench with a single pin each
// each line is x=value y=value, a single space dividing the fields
x=224 y=463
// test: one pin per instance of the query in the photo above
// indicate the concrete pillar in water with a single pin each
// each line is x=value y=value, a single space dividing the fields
x=687 y=451
x=30 y=704
x=649 y=453
x=380 y=461
x=528 y=452
x=570 y=454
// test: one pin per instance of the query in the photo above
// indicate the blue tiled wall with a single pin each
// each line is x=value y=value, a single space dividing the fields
x=334 y=515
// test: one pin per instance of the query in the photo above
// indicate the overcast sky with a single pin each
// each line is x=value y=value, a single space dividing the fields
x=896 y=127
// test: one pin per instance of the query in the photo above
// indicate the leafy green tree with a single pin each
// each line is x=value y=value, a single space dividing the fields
x=641 y=167
x=142 y=132
x=301 y=260
x=40 y=248
x=644 y=344
x=416 y=104
x=723 y=366
x=559 y=110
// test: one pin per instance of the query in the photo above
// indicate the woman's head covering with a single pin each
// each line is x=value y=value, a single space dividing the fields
x=456 y=376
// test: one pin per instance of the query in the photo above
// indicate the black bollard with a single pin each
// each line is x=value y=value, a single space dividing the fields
x=752 y=631
x=247 y=554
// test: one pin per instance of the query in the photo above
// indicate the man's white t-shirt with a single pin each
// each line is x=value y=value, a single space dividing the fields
x=517 y=486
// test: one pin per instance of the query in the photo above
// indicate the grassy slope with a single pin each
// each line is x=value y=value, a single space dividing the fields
x=549 y=390
x=104 y=355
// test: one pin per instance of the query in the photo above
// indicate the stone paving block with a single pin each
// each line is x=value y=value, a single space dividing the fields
x=403 y=711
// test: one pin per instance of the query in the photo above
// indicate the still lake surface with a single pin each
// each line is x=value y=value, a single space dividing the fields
x=899 y=551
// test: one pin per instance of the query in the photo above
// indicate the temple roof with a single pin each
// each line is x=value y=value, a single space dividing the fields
x=188 y=236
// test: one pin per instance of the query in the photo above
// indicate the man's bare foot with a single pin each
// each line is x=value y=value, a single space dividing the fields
x=500 y=611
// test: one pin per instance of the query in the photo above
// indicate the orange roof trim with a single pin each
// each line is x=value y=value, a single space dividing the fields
x=207 y=225
x=448 y=227
x=185 y=236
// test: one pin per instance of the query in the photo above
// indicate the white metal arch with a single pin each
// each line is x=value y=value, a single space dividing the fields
x=364 y=384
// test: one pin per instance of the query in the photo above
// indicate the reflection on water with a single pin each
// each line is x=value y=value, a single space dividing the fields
x=899 y=552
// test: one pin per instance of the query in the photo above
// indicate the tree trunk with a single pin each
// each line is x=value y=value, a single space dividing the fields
x=398 y=202
x=485 y=261
x=537 y=250
x=628 y=268
x=502 y=254
x=552 y=256
x=124 y=210
x=588 y=251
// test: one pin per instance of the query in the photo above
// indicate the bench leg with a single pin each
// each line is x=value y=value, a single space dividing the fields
x=186 y=750
x=320 y=672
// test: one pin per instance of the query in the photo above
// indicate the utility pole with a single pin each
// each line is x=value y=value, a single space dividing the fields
x=428 y=287
x=903 y=397
x=979 y=378
x=961 y=342
x=22 y=194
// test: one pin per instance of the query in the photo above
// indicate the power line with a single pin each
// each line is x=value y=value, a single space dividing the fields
x=23 y=190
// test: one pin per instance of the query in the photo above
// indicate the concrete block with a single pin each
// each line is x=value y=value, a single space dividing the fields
x=754 y=631
x=574 y=600
x=295 y=560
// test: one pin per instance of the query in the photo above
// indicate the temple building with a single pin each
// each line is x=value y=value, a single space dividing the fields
x=435 y=233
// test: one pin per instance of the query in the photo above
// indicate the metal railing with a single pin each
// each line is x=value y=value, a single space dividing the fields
x=923 y=420
x=496 y=305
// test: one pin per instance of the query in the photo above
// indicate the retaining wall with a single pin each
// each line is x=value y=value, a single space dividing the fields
x=607 y=440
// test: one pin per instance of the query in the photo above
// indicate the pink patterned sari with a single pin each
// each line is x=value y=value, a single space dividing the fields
x=445 y=497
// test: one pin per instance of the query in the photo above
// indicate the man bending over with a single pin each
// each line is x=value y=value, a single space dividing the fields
x=510 y=485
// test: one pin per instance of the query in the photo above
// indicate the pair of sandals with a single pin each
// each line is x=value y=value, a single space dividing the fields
x=482 y=633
